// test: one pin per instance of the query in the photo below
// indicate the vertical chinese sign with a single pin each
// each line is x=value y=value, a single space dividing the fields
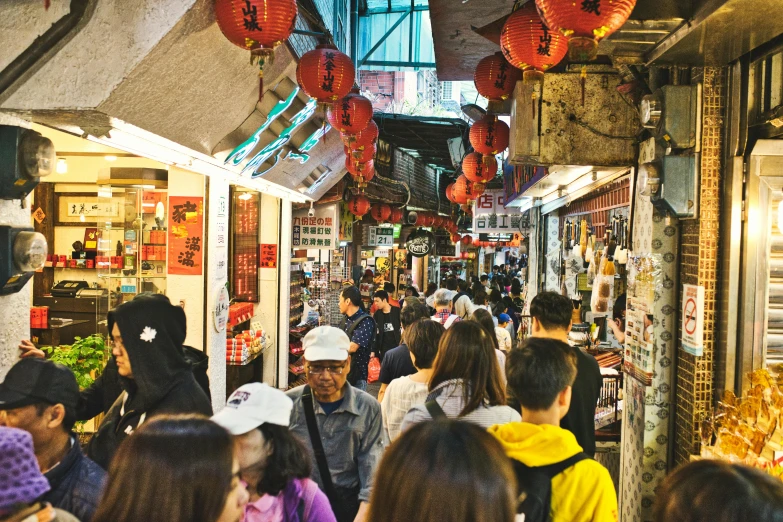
x=186 y=235
x=268 y=256
x=245 y=229
x=318 y=231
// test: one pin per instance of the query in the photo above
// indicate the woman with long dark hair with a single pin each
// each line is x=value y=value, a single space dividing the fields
x=444 y=472
x=174 y=469
x=466 y=382
x=275 y=465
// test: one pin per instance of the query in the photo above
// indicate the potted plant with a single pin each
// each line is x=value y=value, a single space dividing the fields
x=86 y=357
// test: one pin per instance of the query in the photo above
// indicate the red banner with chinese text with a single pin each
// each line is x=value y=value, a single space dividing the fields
x=186 y=235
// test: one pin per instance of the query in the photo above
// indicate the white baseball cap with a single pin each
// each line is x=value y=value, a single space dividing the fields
x=252 y=405
x=326 y=343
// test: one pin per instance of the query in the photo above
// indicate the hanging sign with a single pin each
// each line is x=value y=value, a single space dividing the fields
x=186 y=234
x=268 y=256
x=380 y=236
x=318 y=231
x=490 y=214
x=693 y=319
x=420 y=243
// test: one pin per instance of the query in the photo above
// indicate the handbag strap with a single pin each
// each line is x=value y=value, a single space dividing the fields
x=436 y=412
x=318 y=447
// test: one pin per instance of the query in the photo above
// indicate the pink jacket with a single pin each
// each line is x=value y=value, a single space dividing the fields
x=284 y=507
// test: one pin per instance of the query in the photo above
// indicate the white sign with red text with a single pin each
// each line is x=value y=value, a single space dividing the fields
x=491 y=216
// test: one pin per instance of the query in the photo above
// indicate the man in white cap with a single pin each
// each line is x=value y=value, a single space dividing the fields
x=339 y=424
x=272 y=460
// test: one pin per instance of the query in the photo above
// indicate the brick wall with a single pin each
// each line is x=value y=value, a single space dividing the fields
x=699 y=266
x=382 y=87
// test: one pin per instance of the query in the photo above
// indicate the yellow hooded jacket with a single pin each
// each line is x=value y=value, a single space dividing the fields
x=582 y=493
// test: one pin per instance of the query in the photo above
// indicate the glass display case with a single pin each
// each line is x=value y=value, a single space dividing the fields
x=132 y=244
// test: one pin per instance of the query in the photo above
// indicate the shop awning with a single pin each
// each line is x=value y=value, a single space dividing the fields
x=423 y=137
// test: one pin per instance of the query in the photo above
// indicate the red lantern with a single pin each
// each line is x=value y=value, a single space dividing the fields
x=455 y=238
x=466 y=241
x=350 y=114
x=365 y=138
x=362 y=156
x=466 y=209
x=478 y=168
x=529 y=45
x=450 y=192
x=461 y=190
x=396 y=215
x=359 y=205
x=359 y=169
x=325 y=73
x=489 y=135
x=257 y=26
x=476 y=242
x=380 y=212
x=585 y=23
x=363 y=179
x=495 y=78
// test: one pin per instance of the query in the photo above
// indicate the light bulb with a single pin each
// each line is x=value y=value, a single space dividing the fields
x=62 y=166
x=780 y=216
x=110 y=157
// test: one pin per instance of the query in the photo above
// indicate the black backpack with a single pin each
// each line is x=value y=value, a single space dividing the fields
x=535 y=486
x=353 y=375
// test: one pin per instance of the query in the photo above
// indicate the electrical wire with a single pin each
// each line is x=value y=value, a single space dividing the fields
x=574 y=119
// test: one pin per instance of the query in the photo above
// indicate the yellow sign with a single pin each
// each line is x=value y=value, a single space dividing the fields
x=382 y=265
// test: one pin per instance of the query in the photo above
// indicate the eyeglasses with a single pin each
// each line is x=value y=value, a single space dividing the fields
x=333 y=370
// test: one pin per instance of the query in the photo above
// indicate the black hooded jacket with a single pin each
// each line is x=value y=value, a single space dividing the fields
x=163 y=381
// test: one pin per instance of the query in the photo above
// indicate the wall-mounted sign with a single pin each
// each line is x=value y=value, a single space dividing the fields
x=490 y=214
x=318 y=231
x=268 y=256
x=693 y=319
x=380 y=236
x=220 y=310
x=420 y=243
x=186 y=234
x=445 y=246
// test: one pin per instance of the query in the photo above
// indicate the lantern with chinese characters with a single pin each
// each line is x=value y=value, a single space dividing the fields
x=585 y=22
x=350 y=114
x=495 y=80
x=461 y=190
x=380 y=212
x=529 y=45
x=478 y=168
x=396 y=215
x=359 y=205
x=358 y=169
x=450 y=192
x=361 y=156
x=364 y=138
x=325 y=74
x=257 y=26
x=489 y=135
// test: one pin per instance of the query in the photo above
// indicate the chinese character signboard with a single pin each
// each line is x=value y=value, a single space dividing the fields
x=318 y=231
x=268 y=256
x=186 y=235
x=380 y=236
x=490 y=216
x=420 y=243
x=346 y=223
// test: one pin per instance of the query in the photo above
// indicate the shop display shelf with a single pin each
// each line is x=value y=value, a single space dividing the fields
x=136 y=276
x=247 y=361
x=296 y=369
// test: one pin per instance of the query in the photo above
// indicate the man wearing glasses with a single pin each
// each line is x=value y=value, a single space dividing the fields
x=340 y=425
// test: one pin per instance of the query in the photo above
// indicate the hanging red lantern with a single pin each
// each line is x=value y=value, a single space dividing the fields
x=495 y=79
x=350 y=114
x=363 y=179
x=450 y=192
x=359 y=169
x=396 y=215
x=466 y=209
x=380 y=212
x=478 y=168
x=359 y=205
x=325 y=73
x=466 y=241
x=364 y=138
x=476 y=242
x=529 y=45
x=461 y=190
x=257 y=26
x=455 y=238
x=489 y=135
x=362 y=156
x=585 y=22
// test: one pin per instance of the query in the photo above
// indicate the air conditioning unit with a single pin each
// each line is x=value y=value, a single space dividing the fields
x=564 y=123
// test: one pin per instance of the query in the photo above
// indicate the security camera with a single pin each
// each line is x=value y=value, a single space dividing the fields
x=311 y=212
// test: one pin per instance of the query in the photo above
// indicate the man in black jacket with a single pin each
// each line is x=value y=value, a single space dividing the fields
x=552 y=319
x=146 y=339
x=40 y=397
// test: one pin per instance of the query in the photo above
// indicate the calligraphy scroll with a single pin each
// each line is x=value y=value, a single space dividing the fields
x=186 y=235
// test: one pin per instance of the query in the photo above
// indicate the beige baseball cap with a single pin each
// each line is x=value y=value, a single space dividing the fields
x=326 y=343
x=252 y=405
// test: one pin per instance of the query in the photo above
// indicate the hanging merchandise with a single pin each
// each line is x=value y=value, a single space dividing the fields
x=325 y=74
x=359 y=205
x=350 y=114
x=396 y=215
x=365 y=138
x=585 y=23
x=495 y=80
x=257 y=26
x=478 y=168
x=489 y=135
x=529 y=45
x=381 y=212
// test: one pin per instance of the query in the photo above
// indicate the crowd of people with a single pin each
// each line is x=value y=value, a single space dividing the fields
x=468 y=426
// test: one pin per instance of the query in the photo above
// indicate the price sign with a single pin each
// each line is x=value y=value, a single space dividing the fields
x=381 y=236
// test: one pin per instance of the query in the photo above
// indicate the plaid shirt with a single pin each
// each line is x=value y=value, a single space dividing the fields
x=443 y=316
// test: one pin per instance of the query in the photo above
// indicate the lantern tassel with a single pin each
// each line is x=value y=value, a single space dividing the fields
x=583 y=82
x=261 y=82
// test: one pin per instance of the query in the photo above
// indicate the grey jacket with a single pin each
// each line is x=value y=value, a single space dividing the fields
x=449 y=395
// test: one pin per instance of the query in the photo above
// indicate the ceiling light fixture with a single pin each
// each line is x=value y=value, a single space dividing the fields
x=245 y=196
x=62 y=166
x=110 y=157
